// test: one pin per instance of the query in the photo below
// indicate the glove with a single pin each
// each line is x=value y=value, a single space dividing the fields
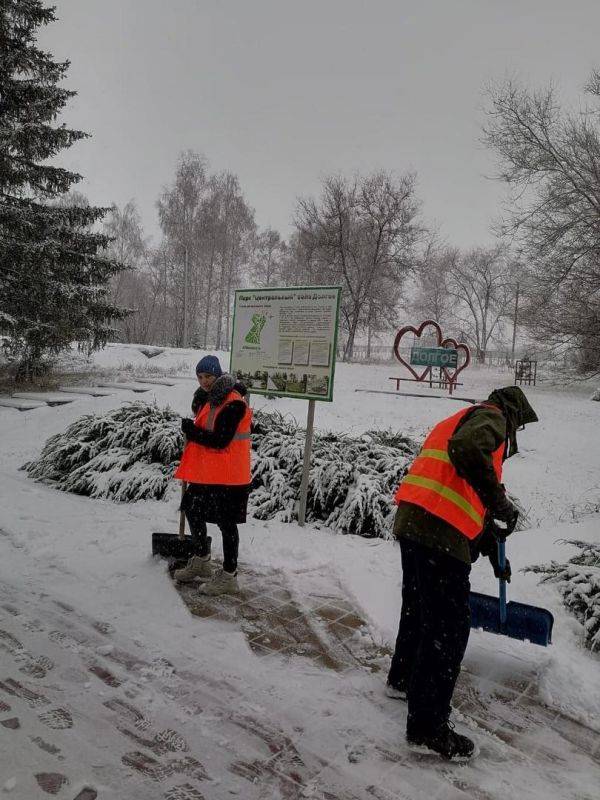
x=187 y=426
x=503 y=574
x=506 y=513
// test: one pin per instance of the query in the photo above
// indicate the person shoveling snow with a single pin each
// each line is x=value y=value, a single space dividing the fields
x=455 y=481
x=216 y=466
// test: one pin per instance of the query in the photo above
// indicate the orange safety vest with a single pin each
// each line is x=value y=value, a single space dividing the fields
x=433 y=483
x=227 y=467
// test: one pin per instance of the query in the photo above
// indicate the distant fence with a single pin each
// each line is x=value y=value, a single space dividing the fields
x=382 y=354
x=379 y=352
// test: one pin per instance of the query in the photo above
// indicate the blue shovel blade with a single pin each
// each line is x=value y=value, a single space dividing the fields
x=528 y=623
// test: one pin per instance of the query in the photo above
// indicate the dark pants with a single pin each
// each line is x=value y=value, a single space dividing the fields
x=231 y=539
x=434 y=629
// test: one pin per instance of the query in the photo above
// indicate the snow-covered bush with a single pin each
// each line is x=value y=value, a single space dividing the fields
x=131 y=452
x=128 y=454
x=578 y=582
x=596 y=395
x=351 y=480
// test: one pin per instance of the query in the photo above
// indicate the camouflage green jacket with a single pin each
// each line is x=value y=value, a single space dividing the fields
x=478 y=434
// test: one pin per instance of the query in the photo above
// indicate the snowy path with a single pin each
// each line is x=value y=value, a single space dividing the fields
x=111 y=688
x=93 y=711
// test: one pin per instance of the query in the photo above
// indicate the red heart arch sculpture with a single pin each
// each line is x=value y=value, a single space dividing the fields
x=441 y=342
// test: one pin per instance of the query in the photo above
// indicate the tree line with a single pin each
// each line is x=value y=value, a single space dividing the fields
x=361 y=234
x=364 y=233
x=70 y=271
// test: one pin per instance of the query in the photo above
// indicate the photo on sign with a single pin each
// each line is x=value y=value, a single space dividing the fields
x=295 y=384
x=253 y=380
x=319 y=354
x=317 y=384
x=276 y=381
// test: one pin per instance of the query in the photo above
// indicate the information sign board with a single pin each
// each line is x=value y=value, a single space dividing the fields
x=284 y=340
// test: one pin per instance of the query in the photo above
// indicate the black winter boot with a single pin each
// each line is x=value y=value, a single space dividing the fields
x=445 y=742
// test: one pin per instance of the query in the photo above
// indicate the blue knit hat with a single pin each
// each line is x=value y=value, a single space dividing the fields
x=210 y=365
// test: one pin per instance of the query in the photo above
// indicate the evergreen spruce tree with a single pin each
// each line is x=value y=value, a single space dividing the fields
x=54 y=270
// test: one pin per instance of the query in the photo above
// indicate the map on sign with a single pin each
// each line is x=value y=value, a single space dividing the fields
x=434 y=357
x=284 y=340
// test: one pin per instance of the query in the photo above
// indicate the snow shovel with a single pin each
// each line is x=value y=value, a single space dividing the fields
x=174 y=545
x=517 y=620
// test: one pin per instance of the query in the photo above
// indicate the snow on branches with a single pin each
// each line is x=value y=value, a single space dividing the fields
x=351 y=480
x=131 y=452
x=128 y=454
x=578 y=582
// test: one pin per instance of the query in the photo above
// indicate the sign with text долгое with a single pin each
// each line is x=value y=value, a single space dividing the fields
x=434 y=357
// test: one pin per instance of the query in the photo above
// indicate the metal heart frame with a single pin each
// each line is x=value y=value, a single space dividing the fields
x=451 y=376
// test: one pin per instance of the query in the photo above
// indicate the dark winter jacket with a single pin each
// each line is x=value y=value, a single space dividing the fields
x=213 y=502
x=478 y=435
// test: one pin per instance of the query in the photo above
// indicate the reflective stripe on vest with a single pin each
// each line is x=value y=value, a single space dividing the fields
x=210 y=424
x=449 y=494
x=433 y=483
x=229 y=466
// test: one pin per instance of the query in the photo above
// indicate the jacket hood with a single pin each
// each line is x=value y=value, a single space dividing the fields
x=517 y=411
x=221 y=388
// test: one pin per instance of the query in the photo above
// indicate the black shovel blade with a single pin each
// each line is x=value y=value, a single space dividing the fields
x=527 y=623
x=170 y=545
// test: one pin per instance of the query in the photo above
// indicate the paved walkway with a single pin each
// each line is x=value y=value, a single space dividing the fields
x=323 y=627
x=86 y=713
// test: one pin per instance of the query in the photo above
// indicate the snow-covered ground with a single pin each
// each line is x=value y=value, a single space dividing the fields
x=108 y=682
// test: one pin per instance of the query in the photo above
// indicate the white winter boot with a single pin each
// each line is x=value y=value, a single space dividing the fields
x=222 y=583
x=197 y=567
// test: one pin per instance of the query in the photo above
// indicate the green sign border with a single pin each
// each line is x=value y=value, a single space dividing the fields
x=274 y=393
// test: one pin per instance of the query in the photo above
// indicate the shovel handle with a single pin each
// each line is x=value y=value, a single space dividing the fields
x=182 y=512
x=502 y=564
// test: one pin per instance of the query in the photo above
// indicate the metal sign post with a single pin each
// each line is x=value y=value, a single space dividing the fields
x=310 y=419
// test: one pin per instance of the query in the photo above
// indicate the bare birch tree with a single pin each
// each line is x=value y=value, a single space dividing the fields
x=129 y=247
x=269 y=256
x=236 y=220
x=363 y=231
x=178 y=209
x=300 y=266
x=207 y=227
x=433 y=299
x=481 y=282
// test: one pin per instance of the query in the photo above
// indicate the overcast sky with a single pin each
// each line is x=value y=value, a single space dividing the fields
x=283 y=92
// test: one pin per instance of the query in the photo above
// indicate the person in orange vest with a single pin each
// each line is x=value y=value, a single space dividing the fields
x=216 y=465
x=451 y=490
